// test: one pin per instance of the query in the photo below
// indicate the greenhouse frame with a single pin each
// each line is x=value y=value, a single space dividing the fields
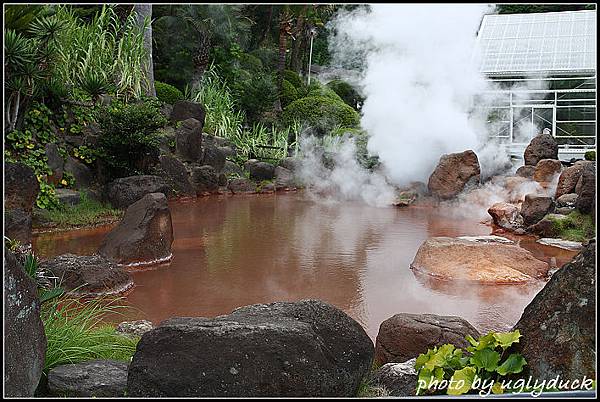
x=543 y=69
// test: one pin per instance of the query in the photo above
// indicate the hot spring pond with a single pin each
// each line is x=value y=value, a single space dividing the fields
x=231 y=251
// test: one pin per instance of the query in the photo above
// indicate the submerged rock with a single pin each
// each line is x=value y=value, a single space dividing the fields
x=560 y=243
x=89 y=379
x=144 y=235
x=24 y=336
x=405 y=336
x=506 y=215
x=535 y=207
x=91 y=275
x=127 y=190
x=456 y=259
x=398 y=379
x=453 y=173
x=542 y=146
x=558 y=327
x=305 y=348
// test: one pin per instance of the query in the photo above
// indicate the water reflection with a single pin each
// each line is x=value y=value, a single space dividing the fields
x=233 y=251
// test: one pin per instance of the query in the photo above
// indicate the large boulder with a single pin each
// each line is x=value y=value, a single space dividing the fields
x=81 y=173
x=559 y=325
x=535 y=207
x=188 y=140
x=546 y=169
x=398 y=379
x=405 y=336
x=260 y=170
x=284 y=178
x=305 y=348
x=567 y=200
x=542 y=146
x=56 y=163
x=586 y=190
x=89 y=275
x=144 y=235
x=125 y=191
x=569 y=177
x=213 y=156
x=506 y=215
x=241 y=185
x=21 y=187
x=24 y=336
x=183 y=110
x=177 y=173
x=469 y=260
x=17 y=225
x=94 y=378
x=547 y=227
x=453 y=173
x=232 y=168
x=291 y=163
x=205 y=180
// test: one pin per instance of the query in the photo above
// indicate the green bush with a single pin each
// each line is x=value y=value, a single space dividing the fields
x=346 y=92
x=321 y=113
x=293 y=78
x=250 y=62
x=130 y=140
x=590 y=156
x=255 y=94
x=290 y=93
x=167 y=93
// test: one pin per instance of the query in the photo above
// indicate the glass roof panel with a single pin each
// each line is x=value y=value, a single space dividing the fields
x=538 y=42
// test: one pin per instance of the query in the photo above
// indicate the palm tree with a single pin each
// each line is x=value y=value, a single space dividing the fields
x=144 y=19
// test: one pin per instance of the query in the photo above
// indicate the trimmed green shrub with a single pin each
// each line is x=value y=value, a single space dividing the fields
x=590 y=156
x=255 y=94
x=129 y=141
x=345 y=91
x=293 y=78
x=269 y=56
x=290 y=93
x=317 y=89
x=321 y=113
x=167 y=93
x=250 y=62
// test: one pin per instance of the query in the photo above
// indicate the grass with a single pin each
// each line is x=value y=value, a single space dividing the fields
x=88 y=212
x=76 y=333
x=575 y=227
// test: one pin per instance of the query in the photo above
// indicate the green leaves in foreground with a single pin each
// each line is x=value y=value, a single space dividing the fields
x=447 y=369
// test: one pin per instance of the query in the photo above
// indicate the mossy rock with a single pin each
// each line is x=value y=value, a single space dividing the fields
x=575 y=226
x=167 y=93
x=346 y=92
x=321 y=113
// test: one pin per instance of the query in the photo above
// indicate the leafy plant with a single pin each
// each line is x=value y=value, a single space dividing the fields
x=46 y=198
x=590 y=156
x=486 y=359
x=167 y=93
x=86 y=154
x=46 y=289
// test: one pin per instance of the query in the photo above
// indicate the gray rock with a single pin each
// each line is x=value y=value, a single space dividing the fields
x=177 y=173
x=75 y=140
x=535 y=207
x=213 y=156
x=67 y=197
x=405 y=336
x=542 y=146
x=566 y=200
x=260 y=170
x=56 y=163
x=564 y=210
x=88 y=275
x=228 y=151
x=188 y=140
x=93 y=378
x=21 y=187
x=291 y=163
x=82 y=174
x=558 y=327
x=586 y=190
x=232 y=168
x=24 y=336
x=17 y=225
x=183 y=110
x=145 y=234
x=398 y=379
x=134 y=328
x=205 y=180
x=305 y=348
x=284 y=178
x=560 y=243
x=241 y=185
x=125 y=191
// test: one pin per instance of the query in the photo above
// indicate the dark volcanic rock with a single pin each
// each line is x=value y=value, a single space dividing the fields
x=546 y=226
x=89 y=379
x=399 y=379
x=125 y=191
x=535 y=207
x=177 y=173
x=21 y=187
x=67 y=197
x=453 y=173
x=144 y=235
x=55 y=163
x=17 y=225
x=232 y=168
x=183 y=110
x=213 y=156
x=82 y=174
x=284 y=178
x=569 y=177
x=205 y=179
x=24 y=337
x=405 y=336
x=188 y=140
x=586 y=190
x=88 y=274
x=542 y=146
x=558 y=327
x=306 y=348
x=260 y=170
x=241 y=185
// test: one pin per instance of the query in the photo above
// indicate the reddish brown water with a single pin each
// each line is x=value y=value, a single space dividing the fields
x=233 y=251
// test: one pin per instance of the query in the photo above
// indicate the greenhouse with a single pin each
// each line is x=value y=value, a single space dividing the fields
x=544 y=65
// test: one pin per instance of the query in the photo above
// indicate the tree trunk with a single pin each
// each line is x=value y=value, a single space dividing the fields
x=283 y=32
x=267 y=29
x=201 y=61
x=296 y=58
x=144 y=11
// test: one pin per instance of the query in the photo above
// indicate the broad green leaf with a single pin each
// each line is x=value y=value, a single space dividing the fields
x=423 y=358
x=441 y=357
x=486 y=359
x=497 y=388
x=514 y=364
x=505 y=339
x=461 y=381
x=486 y=341
x=471 y=340
x=438 y=373
x=424 y=378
